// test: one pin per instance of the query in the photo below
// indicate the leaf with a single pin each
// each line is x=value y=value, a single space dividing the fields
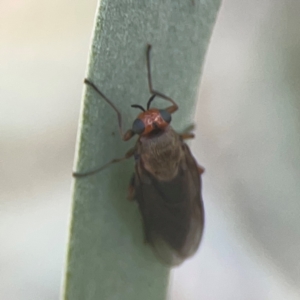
x=107 y=258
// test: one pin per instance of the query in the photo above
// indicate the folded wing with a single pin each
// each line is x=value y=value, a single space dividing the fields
x=172 y=212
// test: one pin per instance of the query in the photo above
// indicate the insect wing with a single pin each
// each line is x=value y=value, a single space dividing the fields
x=172 y=212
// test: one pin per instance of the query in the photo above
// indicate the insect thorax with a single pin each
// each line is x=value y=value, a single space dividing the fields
x=161 y=154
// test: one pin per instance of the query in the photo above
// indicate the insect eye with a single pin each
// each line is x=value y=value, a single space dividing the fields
x=165 y=115
x=138 y=126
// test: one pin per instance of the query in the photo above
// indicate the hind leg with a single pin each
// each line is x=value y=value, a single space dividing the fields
x=131 y=189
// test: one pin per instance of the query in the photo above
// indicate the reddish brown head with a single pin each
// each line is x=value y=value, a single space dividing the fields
x=150 y=120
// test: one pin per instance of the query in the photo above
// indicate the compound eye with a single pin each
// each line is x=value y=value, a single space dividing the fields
x=165 y=115
x=138 y=126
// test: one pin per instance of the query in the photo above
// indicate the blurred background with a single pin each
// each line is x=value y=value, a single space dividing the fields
x=248 y=123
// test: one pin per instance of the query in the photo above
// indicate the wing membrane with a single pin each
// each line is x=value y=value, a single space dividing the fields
x=172 y=212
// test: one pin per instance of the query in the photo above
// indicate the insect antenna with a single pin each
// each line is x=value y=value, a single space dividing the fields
x=150 y=100
x=138 y=106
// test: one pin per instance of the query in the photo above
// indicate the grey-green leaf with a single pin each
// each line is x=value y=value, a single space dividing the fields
x=107 y=257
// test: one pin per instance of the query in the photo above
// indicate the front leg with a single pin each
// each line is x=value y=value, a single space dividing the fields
x=128 y=154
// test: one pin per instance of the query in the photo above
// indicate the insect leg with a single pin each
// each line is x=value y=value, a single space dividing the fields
x=174 y=106
x=186 y=134
x=200 y=169
x=129 y=133
x=189 y=128
x=131 y=189
x=128 y=154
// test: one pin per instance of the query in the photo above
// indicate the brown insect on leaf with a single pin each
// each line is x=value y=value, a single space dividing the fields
x=167 y=179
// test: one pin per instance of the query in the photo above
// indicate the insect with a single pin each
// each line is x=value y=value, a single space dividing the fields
x=167 y=180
